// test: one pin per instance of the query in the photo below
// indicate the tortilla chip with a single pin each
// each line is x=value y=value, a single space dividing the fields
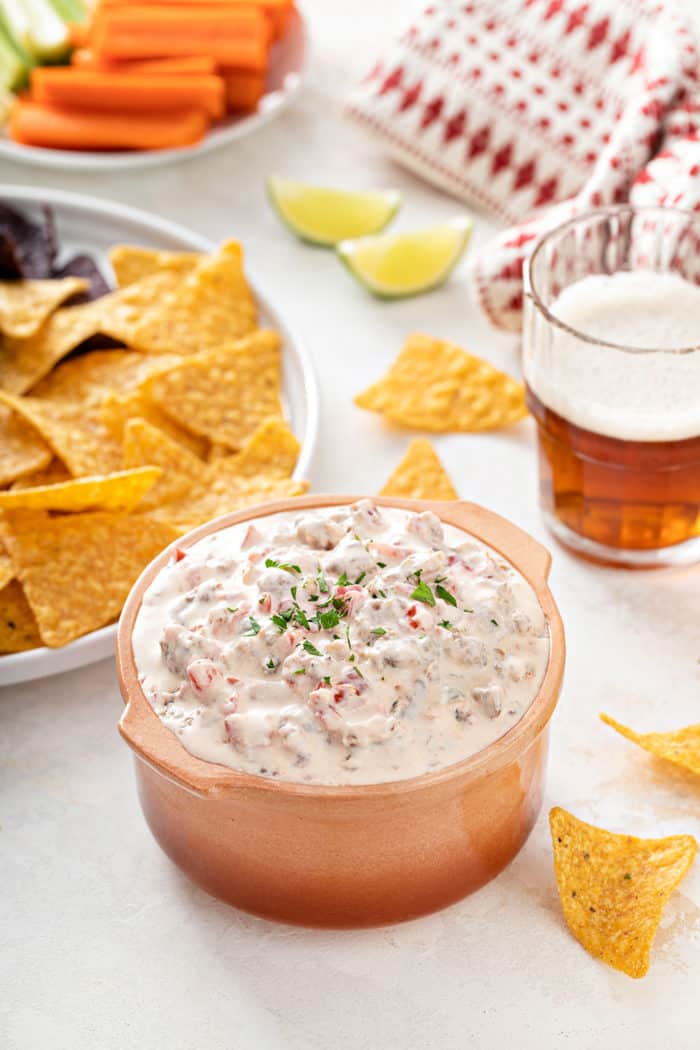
x=74 y=432
x=22 y=450
x=680 y=746
x=24 y=362
x=180 y=469
x=120 y=491
x=122 y=311
x=18 y=629
x=223 y=394
x=27 y=248
x=7 y=569
x=84 y=266
x=117 y=409
x=131 y=263
x=436 y=386
x=271 y=452
x=51 y=475
x=420 y=475
x=219 y=495
x=209 y=307
x=614 y=888
x=93 y=376
x=77 y=569
x=25 y=305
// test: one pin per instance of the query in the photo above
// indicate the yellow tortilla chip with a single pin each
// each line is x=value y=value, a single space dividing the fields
x=74 y=432
x=680 y=746
x=18 y=629
x=92 y=376
x=22 y=450
x=223 y=394
x=220 y=495
x=120 y=491
x=180 y=468
x=77 y=569
x=7 y=569
x=51 y=475
x=614 y=888
x=25 y=305
x=23 y=362
x=271 y=452
x=131 y=263
x=436 y=386
x=208 y=307
x=117 y=409
x=420 y=475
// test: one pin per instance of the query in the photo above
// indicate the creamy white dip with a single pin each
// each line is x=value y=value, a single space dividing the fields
x=343 y=645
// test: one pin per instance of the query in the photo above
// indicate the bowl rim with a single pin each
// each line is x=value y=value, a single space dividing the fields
x=156 y=745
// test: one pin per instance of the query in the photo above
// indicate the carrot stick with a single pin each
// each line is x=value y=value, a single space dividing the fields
x=239 y=38
x=83 y=58
x=243 y=90
x=35 y=125
x=278 y=11
x=84 y=89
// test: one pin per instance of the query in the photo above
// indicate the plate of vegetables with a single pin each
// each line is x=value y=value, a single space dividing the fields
x=135 y=83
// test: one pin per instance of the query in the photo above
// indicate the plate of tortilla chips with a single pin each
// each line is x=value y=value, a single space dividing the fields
x=146 y=386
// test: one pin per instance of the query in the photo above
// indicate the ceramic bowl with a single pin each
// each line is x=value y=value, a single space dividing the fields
x=357 y=855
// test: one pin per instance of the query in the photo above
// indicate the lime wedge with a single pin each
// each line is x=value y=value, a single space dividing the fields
x=325 y=216
x=396 y=265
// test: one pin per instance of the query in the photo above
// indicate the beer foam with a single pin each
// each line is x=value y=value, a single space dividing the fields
x=646 y=393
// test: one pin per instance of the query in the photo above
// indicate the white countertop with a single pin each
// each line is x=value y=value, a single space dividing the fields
x=105 y=946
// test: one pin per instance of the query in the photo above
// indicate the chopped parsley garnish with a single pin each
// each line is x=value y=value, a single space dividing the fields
x=627 y=875
x=440 y=579
x=340 y=606
x=302 y=670
x=361 y=577
x=382 y=594
x=322 y=585
x=270 y=563
x=328 y=619
x=469 y=610
x=347 y=635
x=271 y=665
x=254 y=626
x=352 y=659
x=343 y=580
x=446 y=624
x=281 y=620
x=378 y=630
x=327 y=679
x=494 y=622
x=232 y=608
x=423 y=594
x=313 y=597
x=446 y=596
x=381 y=565
x=301 y=617
x=294 y=592
x=311 y=648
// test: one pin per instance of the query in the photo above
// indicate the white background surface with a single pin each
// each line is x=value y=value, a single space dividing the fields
x=104 y=945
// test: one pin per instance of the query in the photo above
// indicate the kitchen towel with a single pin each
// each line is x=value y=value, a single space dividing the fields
x=537 y=110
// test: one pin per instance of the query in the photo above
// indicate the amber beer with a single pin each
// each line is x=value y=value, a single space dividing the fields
x=611 y=355
x=627 y=495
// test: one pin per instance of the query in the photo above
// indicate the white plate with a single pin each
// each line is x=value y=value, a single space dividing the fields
x=91 y=225
x=289 y=61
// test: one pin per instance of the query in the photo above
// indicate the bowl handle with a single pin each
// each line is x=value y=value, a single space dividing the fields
x=530 y=557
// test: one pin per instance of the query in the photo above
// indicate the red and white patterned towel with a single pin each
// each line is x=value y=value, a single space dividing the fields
x=537 y=110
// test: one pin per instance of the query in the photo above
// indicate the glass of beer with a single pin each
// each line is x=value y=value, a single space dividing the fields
x=611 y=346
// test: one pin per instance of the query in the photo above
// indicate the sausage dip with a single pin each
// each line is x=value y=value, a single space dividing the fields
x=342 y=645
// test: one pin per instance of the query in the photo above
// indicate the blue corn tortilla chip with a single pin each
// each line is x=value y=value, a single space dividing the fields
x=85 y=267
x=27 y=248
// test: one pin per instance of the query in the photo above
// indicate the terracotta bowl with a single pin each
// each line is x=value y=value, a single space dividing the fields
x=359 y=855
